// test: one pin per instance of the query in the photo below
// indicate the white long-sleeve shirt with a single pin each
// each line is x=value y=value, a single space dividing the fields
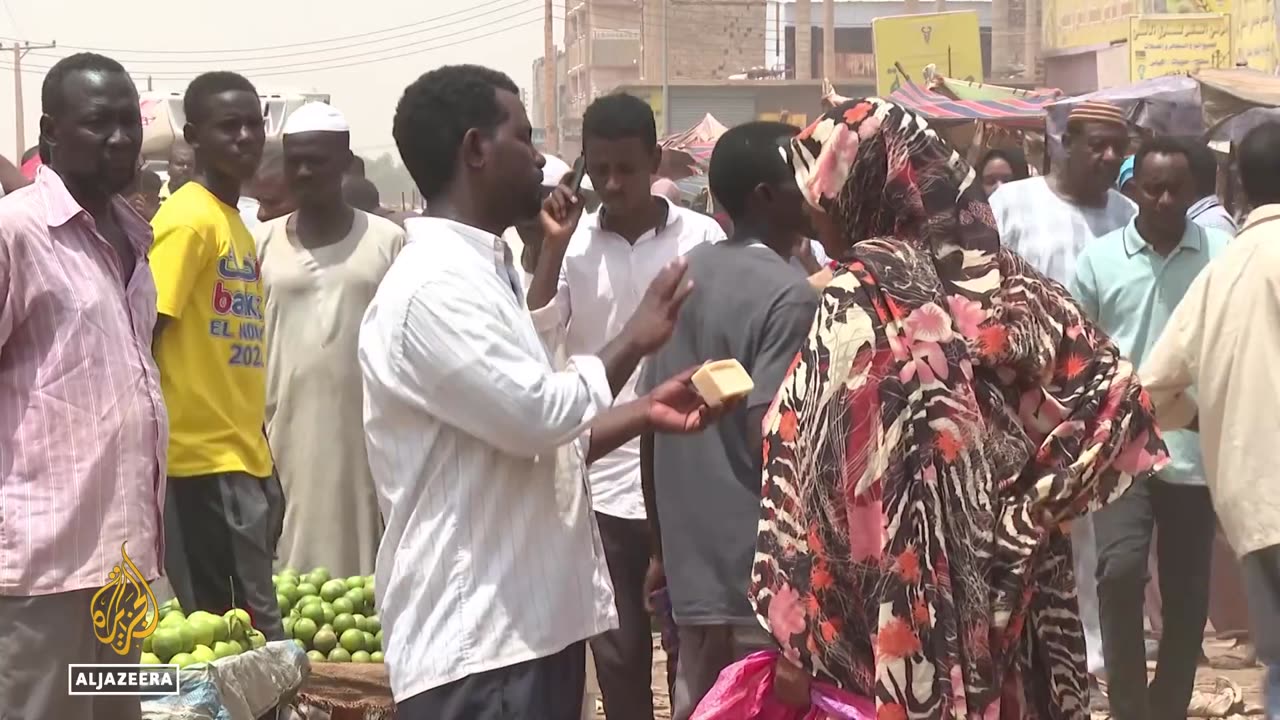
x=488 y=559
x=602 y=280
x=1223 y=341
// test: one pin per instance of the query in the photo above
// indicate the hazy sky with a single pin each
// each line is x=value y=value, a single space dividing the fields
x=504 y=34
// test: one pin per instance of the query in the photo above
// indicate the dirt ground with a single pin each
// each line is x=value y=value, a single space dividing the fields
x=1249 y=682
x=1208 y=681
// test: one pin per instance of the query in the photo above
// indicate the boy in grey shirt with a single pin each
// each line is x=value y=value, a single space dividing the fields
x=702 y=492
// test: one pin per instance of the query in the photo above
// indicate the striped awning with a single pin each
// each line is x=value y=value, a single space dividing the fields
x=1019 y=108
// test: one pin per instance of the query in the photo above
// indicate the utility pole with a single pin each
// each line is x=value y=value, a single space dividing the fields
x=804 y=41
x=1031 y=39
x=829 y=40
x=550 y=92
x=1001 y=40
x=665 y=24
x=19 y=50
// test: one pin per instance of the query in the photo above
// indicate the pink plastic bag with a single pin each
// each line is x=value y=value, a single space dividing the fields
x=744 y=691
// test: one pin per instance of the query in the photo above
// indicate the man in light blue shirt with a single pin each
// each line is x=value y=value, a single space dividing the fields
x=1207 y=211
x=1129 y=282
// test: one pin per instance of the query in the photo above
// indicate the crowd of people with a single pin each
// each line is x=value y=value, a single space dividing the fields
x=971 y=437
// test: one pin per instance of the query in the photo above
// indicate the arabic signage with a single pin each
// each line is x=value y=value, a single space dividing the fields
x=1190 y=7
x=1081 y=23
x=1255 y=33
x=946 y=40
x=1181 y=44
x=1253 y=26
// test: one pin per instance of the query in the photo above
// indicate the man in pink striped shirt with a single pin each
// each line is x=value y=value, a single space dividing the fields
x=83 y=428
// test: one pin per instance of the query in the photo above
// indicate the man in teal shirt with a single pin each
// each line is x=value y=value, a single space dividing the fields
x=1129 y=282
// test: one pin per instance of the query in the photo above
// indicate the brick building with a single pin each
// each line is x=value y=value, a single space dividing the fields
x=705 y=39
x=614 y=43
x=536 y=105
x=622 y=43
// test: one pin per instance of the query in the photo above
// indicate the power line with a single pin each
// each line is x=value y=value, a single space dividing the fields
x=205 y=61
x=292 y=69
x=257 y=70
x=340 y=38
x=9 y=12
x=19 y=50
x=323 y=64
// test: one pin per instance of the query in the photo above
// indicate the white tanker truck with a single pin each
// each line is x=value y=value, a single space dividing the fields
x=163 y=118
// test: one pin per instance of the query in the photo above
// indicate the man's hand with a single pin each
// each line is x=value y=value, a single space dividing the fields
x=560 y=214
x=802 y=252
x=1051 y=523
x=655 y=319
x=791 y=684
x=655 y=578
x=676 y=407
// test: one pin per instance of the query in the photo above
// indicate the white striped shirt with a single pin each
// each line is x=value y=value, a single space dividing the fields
x=1049 y=232
x=83 y=427
x=488 y=560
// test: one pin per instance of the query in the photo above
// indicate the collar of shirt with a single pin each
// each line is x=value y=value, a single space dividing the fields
x=595 y=223
x=1192 y=239
x=487 y=244
x=1202 y=205
x=482 y=241
x=61 y=208
x=1261 y=214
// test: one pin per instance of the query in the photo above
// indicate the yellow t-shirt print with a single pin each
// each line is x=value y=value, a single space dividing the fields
x=212 y=355
x=237 y=298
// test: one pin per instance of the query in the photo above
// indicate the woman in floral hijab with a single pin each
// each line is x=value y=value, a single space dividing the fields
x=949 y=410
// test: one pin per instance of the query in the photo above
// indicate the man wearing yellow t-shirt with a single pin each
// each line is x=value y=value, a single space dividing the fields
x=224 y=507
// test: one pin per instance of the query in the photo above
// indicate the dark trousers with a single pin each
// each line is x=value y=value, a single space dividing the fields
x=1184 y=546
x=39 y=637
x=1261 y=571
x=1228 y=605
x=220 y=541
x=549 y=688
x=624 y=657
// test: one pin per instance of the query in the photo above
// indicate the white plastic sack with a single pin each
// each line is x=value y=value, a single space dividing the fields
x=241 y=687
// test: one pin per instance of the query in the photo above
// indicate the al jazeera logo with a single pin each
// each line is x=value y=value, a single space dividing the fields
x=124 y=612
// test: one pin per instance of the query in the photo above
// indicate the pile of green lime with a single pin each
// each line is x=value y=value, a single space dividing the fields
x=333 y=619
x=200 y=637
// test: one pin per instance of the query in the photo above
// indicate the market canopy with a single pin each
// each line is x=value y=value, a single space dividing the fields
x=1218 y=105
x=689 y=152
x=1168 y=105
x=699 y=140
x=1234 y=100
x=977 y=90
x=961 y=100
x=1014 y=108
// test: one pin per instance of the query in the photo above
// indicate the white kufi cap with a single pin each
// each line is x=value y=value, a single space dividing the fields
x=316 y=117
x=553 y=170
